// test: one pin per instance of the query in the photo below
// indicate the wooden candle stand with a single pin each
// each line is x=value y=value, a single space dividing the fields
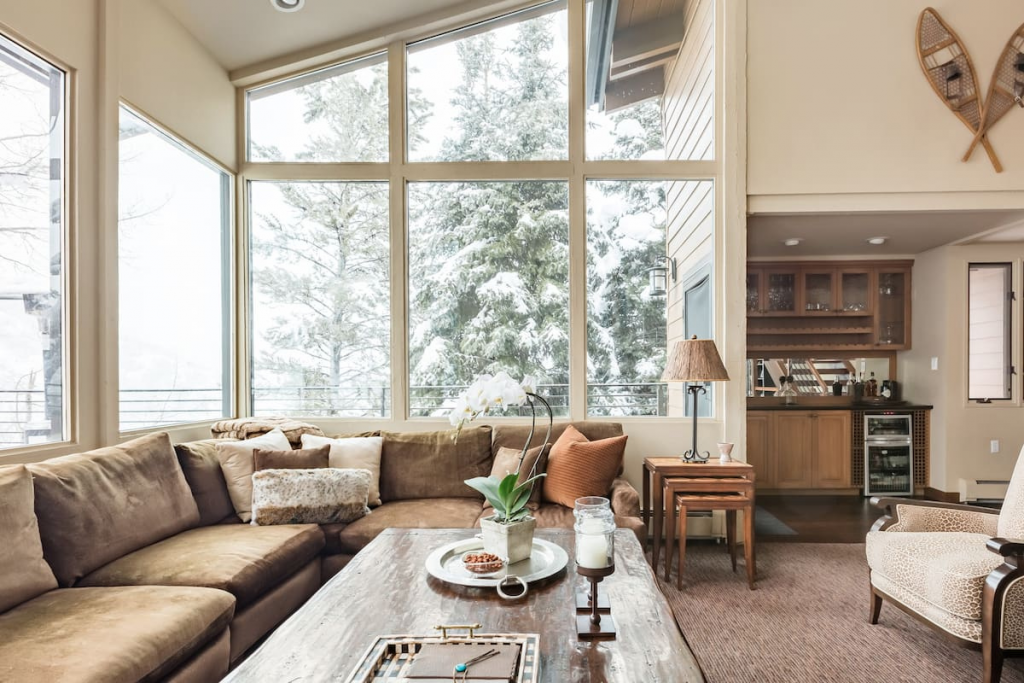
x=590 y=624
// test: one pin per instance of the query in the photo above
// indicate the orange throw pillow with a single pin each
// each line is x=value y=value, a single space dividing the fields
x=579 y=467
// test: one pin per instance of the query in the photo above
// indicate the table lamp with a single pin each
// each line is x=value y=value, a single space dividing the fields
x=696 y=361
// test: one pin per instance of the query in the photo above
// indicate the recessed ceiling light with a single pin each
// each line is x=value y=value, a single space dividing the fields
x=877 y=240
x=793 y=241
x=287 y=5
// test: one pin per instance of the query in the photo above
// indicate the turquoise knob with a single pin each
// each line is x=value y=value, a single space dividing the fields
x=461 y=667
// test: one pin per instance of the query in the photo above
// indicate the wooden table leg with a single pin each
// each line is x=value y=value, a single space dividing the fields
x=657 y=509
x=730 y=535
x=748 y=544
x=670 y=531
x=645 y=511
x=682 y=545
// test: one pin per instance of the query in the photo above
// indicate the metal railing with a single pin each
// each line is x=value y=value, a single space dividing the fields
x=23 y=413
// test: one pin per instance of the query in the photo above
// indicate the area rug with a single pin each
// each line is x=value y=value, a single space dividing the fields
x=807 y=621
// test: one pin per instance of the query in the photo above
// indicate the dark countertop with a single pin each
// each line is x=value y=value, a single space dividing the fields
x=862 y=407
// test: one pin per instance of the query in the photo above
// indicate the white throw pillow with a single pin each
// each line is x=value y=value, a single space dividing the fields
x=321 y=496
x=360 y=453
x=236 y=462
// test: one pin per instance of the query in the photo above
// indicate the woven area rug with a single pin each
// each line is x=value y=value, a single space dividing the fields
x=807 y=621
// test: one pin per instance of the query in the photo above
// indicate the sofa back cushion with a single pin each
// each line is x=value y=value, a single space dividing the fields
x=98 y=506
x=513 y=436
x=431 y=465
x=1011 y=515
x=24 y=573
x=198 y=460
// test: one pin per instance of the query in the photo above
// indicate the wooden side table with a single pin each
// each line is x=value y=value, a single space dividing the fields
x=701 y=478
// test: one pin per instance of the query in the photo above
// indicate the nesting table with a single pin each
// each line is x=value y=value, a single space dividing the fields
x=670 y=482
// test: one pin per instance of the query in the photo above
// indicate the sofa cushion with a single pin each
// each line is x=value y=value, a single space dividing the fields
x=236 y=462
x=332 y=544
x=431 y=513
x=198 y=460
x=100 y=505
x=432 y=465
x=297 y=459
x=947 y=569
x=23 y=572
x=109 y=635
x=309 y=496
x=355 y=452
x=243 y=560
x=578 y=467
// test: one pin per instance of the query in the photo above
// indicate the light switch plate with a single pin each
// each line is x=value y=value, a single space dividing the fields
x=993 y=446
x=935 y=362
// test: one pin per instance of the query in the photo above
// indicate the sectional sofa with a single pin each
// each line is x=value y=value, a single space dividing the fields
x=128 y=563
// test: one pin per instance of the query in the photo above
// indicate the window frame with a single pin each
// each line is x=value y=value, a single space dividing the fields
x=702 y=271
x=71 y=419
x=1009 y=305
x=577 y=170
x=229 y=372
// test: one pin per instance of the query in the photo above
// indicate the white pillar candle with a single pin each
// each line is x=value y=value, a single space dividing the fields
x=592 y=551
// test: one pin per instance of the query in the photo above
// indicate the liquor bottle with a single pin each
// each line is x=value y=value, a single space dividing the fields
x=872 y=386
x=837 y=388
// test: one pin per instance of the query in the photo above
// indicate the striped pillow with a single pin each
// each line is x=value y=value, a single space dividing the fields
x=578 y=467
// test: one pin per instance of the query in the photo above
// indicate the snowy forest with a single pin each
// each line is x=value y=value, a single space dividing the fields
x=488 y=262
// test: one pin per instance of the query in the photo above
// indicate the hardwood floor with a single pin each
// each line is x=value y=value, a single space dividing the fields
x=820 y=519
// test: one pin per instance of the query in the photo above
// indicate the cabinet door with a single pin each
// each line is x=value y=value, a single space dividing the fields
x=832 y=450
x=794 y=450
x=856 y=291
x=759 y=448
x=755 y=292
x=818 y=293
x=892 y=309
x=780 y=293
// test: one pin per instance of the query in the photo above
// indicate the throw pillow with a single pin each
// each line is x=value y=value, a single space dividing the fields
x=431 y=465
x=236 y=462
x=578 y=467
x=23 y=572
x=299 y=459
x=360 y=453
x=323 y=496
x=506 y=461
x=198 y=460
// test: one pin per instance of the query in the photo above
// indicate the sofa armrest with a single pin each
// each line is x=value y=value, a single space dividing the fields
x=902 y=514
x=624 y=499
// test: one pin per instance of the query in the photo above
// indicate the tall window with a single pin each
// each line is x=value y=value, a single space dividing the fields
x=626 y=322
x=989 y=364
x=321 y=331
x=488 y=288
x=174 y=298
x=32 y=261
x=698 y=320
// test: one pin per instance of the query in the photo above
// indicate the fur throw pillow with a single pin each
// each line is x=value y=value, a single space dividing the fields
x=320 y=496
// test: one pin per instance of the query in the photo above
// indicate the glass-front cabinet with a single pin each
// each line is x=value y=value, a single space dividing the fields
x=819 y=291
x=780 y=293
x=855 y=292
x=892 y=318
x=755 y=287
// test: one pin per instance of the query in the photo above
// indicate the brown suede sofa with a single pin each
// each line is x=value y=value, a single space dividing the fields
x=149 y=574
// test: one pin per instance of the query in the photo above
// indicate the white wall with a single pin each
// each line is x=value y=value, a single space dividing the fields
x=172 y=78
x=837 y=102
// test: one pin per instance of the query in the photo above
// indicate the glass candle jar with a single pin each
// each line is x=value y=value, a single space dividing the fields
x=595 y=533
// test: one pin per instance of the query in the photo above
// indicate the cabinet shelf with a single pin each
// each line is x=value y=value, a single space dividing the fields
x=809 y=330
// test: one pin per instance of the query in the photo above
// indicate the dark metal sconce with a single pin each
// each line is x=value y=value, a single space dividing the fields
x=659 y=276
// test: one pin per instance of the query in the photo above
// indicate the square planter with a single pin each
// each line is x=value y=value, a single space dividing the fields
x=511 y=541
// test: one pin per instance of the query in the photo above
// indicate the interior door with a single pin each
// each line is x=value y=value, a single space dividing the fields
x=832 y=447
x=794 y=450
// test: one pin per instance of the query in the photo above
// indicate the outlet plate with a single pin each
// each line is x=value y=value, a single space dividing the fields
x=935 y=362
x=993 y=446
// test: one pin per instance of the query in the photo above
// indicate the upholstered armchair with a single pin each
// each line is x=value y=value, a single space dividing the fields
x=953 y=567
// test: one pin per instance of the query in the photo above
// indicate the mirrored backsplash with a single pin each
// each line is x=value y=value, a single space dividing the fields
x=813 y=376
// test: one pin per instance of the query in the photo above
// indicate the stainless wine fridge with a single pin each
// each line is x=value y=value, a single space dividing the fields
x=888 y=455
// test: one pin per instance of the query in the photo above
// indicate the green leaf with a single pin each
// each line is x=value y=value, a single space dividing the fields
x=489 y=488
x=507 y=486
x=520 y=502
x=528 y=484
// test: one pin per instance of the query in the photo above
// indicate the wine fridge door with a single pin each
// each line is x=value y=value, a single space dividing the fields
x=889 y=469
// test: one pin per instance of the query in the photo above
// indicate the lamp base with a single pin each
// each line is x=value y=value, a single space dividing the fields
x=696 y=456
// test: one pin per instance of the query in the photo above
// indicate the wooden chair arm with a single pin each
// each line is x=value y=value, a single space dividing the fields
x=1006 y=547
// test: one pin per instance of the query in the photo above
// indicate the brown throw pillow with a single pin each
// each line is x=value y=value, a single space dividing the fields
x=578 y=467
x=300 y=459
x=23 y=573
x=506 y=461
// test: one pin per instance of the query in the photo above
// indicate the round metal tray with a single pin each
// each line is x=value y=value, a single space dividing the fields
x=445 y=563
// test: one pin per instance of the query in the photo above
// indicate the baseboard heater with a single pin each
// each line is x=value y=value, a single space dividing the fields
x=983 y=490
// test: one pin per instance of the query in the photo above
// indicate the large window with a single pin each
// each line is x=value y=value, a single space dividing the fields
x=320 y=316
x=626 y=320
x=174 y=299
x=488 y=288
x=989 y=293
x=32 y=257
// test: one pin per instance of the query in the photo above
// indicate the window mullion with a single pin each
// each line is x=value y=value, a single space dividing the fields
x=397 y=221
x=577 y=214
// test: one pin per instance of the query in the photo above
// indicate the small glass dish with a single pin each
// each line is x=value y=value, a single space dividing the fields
x=481 y=563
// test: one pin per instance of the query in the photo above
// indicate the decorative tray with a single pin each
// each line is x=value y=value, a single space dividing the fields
x=389 y=657
x=445 y=563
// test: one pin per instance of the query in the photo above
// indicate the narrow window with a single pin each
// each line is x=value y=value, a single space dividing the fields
x=990 y=296
x=697 y=320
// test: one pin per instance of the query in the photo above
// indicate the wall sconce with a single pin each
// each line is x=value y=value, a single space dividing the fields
x=954 y=81
x=659 y=276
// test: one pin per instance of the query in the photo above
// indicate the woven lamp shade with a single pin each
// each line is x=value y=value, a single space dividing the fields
x=695 y=360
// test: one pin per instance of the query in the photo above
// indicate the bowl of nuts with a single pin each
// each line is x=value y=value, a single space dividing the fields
x=479 y=562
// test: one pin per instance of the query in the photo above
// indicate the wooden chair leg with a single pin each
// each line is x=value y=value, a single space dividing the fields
x=657 y=510
x=876 y=604
x=682 y=547
x=730 y=535
x=992 y=663
x=748 y=545
x=670 y=533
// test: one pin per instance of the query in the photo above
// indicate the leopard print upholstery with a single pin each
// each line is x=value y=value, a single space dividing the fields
x=967 y=629
x=924 y=518
x=946 y=569
x=1013 y=616
x=1011 y=516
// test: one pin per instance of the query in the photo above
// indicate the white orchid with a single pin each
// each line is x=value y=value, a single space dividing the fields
x=487 y=393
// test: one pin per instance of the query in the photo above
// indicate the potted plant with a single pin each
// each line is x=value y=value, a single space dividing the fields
x=507 y=533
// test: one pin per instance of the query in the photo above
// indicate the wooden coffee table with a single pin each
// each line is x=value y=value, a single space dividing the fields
x=386 y=590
